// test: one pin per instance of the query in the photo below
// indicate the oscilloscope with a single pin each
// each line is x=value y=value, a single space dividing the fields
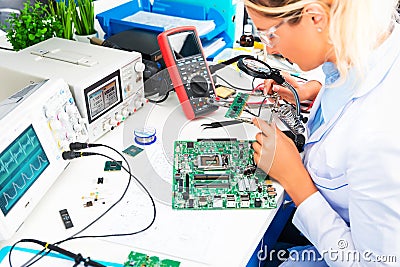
x=37 y=123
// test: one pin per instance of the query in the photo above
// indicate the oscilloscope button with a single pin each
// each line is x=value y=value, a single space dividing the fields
x=55 y=125
x=107 y=126
x=118 y=117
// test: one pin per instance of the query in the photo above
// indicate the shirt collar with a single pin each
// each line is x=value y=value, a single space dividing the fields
x=331 y=73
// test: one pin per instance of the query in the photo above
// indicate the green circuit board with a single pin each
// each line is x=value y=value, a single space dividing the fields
x=219 y=174
x=237 y=106
x=136 y=259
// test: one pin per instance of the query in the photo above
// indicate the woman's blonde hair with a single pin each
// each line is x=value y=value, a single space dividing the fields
x=356 y=26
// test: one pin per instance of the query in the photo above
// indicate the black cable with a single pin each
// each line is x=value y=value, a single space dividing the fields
x=260 y=107
x=231 y=85
x=252 y=83
x=160 y=100
x=6 y=48
x=78 y=258
x=122 y=234
x=251 y=113
x=104 y=213
x=221 y=65
x=301 y=78
x=30 y=261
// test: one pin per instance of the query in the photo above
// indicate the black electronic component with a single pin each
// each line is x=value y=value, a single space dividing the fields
x=187 y=182
x=190 y=203
x=257 y=202
x=88 y=204
x=211 y=177
x=185 y=195
x=203 y=201
x=189 y=145
x=212 y=185
x=66 y=218
x=180 y=185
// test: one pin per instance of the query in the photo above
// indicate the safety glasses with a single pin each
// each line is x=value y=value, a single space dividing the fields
x=269 y=37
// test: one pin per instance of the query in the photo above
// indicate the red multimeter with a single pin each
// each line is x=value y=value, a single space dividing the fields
x=183 y=55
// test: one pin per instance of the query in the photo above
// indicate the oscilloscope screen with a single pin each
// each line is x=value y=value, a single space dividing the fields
x=21 y=164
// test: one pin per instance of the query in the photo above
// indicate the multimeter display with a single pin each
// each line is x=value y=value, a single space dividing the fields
x=184 y=45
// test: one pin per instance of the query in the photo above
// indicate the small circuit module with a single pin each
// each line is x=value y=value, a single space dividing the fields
x=237 y=106
x=136 y=259
x=219 y=174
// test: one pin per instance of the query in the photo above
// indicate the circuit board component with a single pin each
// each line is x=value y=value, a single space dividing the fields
x=136 y=259
x=237 y=106
x=219 y=174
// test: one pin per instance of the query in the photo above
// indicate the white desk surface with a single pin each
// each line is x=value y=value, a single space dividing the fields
x=196 y=238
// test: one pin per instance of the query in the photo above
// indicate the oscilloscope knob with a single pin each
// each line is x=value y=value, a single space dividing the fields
x=62 y=115
x=139 y=67
x=77 y=127
x=125 y=112
x=199 y=85
x=113 y=122
x=118 y=117
x=55 y=125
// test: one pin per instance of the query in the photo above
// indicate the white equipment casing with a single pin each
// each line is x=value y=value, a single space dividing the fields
x=107 y=83
x=37 y=124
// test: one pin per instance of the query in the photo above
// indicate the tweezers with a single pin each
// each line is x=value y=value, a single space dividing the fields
x=219 y=124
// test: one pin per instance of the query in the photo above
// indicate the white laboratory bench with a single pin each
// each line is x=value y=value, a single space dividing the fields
x=193 y=237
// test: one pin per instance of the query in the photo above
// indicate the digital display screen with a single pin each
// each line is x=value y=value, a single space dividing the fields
x=184 y=44
x=21 y=164
x=102 y=98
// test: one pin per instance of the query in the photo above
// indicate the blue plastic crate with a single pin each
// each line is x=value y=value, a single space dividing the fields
x=111 y=21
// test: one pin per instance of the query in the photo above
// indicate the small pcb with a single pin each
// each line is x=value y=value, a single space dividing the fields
x=112 y=166
x=136 y=259
x=132 y=150
x=219 y=174
x=237 y=106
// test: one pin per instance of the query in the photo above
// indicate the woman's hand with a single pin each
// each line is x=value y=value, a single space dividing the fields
x=277 y=155
x=305 y=90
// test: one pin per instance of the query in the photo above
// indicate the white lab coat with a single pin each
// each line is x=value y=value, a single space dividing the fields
x=354 y=160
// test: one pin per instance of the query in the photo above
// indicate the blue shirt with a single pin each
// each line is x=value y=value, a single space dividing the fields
x=334 y=94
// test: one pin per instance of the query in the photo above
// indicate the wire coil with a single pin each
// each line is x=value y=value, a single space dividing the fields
x=287 y=114
x=145 y=136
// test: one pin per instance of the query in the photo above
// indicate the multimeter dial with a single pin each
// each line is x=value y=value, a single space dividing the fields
x=198 y=85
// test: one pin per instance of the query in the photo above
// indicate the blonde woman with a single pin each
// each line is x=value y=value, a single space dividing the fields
x=347 y=185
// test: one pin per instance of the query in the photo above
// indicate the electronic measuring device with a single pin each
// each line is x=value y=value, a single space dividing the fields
x=107 y=83
x=37 y=124
x=183 y=55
